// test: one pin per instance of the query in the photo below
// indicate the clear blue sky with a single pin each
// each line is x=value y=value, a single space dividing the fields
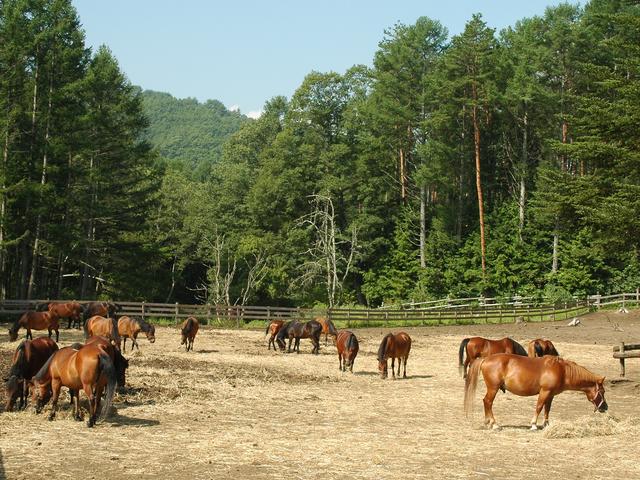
x=244 y=52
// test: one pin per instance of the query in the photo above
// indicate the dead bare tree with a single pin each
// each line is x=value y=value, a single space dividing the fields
x=325 y=258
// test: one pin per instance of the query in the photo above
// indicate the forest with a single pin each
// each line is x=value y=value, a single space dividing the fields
x=484 y=163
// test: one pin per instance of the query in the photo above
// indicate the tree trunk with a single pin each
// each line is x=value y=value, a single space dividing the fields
x=556 y=237
x=476 y=141
x=423 y=225
x=84 y=284
x=3 y=213
x=403 y=190
x=523 y=175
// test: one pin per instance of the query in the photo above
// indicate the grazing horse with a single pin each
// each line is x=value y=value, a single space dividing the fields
x=273 y=328
x=394 y=346
x=107 y=327
x=28 y=358
x=328 y=328
x=103 y=309
x=347 y=345
x=477 y=347
x=70 y=310
x=35 y=321
x=189 y=329
x=119 y=361
x=89 y=369
x=540 y=347
x=546 y=377
x=297 y=330
x=130 y=327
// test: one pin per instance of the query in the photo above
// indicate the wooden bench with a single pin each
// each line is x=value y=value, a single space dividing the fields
x=622 y=352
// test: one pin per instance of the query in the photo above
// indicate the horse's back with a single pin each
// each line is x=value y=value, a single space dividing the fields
x=403 y=341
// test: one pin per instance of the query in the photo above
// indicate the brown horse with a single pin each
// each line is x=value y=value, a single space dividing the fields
x=70 y=310
x=130 y=327
x=347 y=345
x=540 y=347
x=295 y=330
x=328 y=328
x=107 y=327
x=546 y=377
x=89 y=369
x=273 y=328
x=189 y=330
x=28 y=358
x=35 y=321
x=119 y=361
x=393 y=346
x=477 y=347
x=103 y=309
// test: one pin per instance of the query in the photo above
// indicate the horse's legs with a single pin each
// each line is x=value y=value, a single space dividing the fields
x=124 y=344
x=543 y=396
x=393 y=367
x=30 y=335
x=340 y=362
x=399 y=364
x=290 y=341
x=57 y=335
x=489 y=419
x=92 y=404
x=547 y=409
x=405 y=367
x=55 y=388
x=69 y=325
x=465 y=367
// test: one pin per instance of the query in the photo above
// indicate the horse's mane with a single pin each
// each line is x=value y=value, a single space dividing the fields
x=42 y=373
x=284 y=330
x=144 y=325
x=575 y=373
x=332 y=327
x=353 y=342
x=188 y=326
x=16 y=324
x=383 y=347
x=518 y=349
x=17 y=369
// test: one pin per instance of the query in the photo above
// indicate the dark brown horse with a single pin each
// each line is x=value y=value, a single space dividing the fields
x=328 y=328
x=130 y=327
x=273 y=328
x=35 y=321
x=394 y=346
x=295 y=330
x=27 y=360
x=101 y=326
x=89 y=369
x=540 y=347
x=189 y=330
x=477 y=347
x=69 y=310
x=546 y=377
x=103 y=309
x=347 y=345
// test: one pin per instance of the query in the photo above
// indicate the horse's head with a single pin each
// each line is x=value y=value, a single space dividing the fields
x=41 y=394
x=382 y=368
x=13 y=386
x=596 y=396
x=151 y=334
x=13 y=335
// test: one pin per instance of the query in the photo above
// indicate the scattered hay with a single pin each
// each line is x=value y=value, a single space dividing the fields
x=592 y=426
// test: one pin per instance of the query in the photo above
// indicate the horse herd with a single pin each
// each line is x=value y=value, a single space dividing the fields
x=98 y=366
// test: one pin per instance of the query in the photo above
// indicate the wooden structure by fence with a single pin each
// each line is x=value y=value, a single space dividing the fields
x=624 y=351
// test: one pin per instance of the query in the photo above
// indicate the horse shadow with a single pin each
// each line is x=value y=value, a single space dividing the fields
x=118 y=420
x=206 y=351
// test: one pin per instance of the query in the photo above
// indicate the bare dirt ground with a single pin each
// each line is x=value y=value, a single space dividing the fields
x=232 y=409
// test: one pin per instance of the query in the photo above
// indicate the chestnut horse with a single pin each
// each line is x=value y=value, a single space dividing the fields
x=130 y=327
x=89 y=369
x=273 y=328
x=107 y=327
x=394 y=346
x=70 y=310
x=328 y=328
x=540 y=347
x=546 y=377
x=189 y=330
x=477 y=347
x=119 y=361
x=347 y=345
x=297 y=330
x=35 y=321
x=28 y=359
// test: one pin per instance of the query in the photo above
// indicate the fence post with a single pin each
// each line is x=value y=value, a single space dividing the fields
x=565 y=311
x=637 y=296
x=142 y=308
x=624 y=296
x=176 y=315
x=622 y=359
x=500 y=313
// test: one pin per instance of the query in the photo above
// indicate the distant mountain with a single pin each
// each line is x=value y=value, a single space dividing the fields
x=187 y=133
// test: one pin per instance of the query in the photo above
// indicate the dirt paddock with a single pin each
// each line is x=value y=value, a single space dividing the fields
x=232 y=409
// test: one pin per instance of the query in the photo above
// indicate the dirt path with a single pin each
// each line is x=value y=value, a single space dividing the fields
x=233 y=409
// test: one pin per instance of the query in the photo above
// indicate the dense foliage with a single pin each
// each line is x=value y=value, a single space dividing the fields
x=486 y=163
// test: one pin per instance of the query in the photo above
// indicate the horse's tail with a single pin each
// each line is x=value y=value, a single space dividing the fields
x=267 y=330
x=332 y=328
x=554 y=351
x=471 y=384
x=106 y=366
x=538 y=350
x=353 y=342
x=18 y=368
x=518 y=349
x=85 y=327
x=463 y=346
x=383 y=347
x=42 y=373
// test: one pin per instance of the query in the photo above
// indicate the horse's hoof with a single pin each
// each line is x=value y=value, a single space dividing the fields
x=51 y=417
x=495 y=426
x=90 y=424
x=534 y=427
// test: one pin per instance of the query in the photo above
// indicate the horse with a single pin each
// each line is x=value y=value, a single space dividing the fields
x=119 y=361
x=89 y=369
x=347 y=345
x=189 y=329
x=328 y=328
x=35 y=321
x=107 y=327
x=70 y=310
x=274 y=327
x=540 y=347
x=543 y=376
x=393 y=346
x=103 y=309
x=477 y=347
x=28 y=358
x=130 y=327
x=297 y=330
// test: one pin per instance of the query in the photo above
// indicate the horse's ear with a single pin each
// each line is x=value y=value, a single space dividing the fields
x=601 y=380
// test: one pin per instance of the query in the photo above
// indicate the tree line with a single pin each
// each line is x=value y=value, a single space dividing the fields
x=487 y=163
